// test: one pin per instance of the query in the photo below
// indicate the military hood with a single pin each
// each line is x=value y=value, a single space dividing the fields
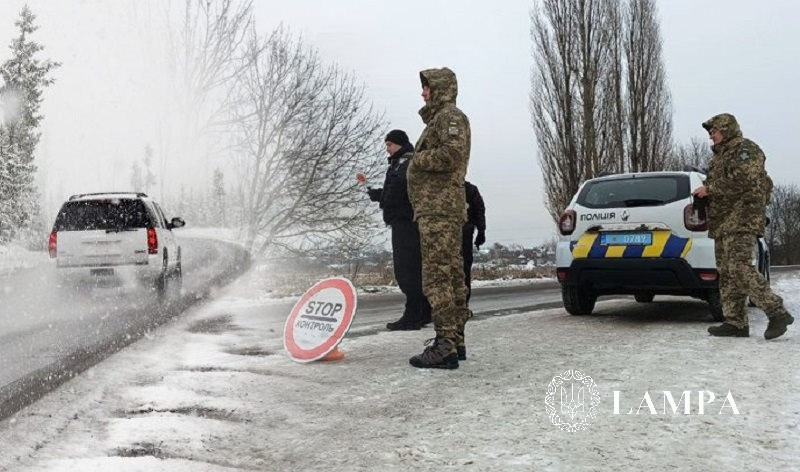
x=444 y=90
x=726 y=124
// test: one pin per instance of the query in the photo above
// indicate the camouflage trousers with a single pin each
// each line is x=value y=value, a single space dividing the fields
x=738 y=279
x=443 y=274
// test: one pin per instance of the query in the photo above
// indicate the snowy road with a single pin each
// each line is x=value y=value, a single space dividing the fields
x=47 y=334
x=215 y=391
x=375 y=310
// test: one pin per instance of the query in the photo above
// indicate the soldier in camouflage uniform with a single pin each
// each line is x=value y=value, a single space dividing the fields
x=436 y=191
x=739 y=189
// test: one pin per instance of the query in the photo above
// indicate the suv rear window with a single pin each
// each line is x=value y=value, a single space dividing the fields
x=114 y=214
x=634 y=191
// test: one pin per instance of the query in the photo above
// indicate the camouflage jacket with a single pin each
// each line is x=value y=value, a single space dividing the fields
x=738 y=186
x=437 y=172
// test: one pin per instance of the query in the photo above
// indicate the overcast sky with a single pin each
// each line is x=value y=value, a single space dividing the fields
x=721 y=56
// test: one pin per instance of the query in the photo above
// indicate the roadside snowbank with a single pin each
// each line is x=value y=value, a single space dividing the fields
x=14 y=257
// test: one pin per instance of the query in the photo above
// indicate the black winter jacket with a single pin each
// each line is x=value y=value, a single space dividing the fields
x=476 y=210
x=394 y=197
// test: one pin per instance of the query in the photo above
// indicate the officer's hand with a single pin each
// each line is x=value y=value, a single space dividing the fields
x=375 y=194
x=701 y=192
x=480 y=239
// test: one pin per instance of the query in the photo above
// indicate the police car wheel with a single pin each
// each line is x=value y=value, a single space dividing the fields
x=715 y=305
x=644 y=297
x=578 y=301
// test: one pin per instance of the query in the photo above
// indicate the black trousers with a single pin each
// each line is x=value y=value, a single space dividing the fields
x=407 y=259
x=466 y=251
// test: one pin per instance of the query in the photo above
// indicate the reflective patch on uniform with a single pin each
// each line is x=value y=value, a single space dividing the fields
x=452 y=129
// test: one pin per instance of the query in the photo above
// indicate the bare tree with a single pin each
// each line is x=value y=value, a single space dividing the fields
x=206 y=53
x=303 y=132
x=694 y=154
x=552 y=102
x=783 y=232
x=593 y=21
x=201 y=42
x=648 y=98
x=574 y=98
x=616 y=110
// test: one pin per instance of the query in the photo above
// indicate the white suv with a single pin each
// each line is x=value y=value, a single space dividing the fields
x=638 y=234
x=116 y=234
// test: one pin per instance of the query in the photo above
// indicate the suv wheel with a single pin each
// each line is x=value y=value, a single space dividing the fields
x=162 y=281
x=645 y=297
x=715 y=305
x=578 y=300
x=177 y=276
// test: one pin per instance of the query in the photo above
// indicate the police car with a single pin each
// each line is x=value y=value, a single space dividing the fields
x=638 y=234
x=117 y=234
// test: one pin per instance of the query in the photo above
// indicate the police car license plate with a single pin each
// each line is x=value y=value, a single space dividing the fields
x=626 y=239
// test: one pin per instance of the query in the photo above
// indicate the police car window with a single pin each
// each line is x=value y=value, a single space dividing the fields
x=112 y=214
x=634 y=192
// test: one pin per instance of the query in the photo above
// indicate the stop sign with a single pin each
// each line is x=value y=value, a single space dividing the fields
x=320 y=319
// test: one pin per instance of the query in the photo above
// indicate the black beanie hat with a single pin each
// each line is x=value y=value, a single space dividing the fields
x=398 y=137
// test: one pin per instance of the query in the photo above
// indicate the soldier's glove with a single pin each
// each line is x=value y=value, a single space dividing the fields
x=375 y=194
x=700 y=205
x=480 y=239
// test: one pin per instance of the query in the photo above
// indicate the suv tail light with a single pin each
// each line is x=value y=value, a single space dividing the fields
x=692 y=221
x=566 y=224
x=152 y=241
x=52 y=245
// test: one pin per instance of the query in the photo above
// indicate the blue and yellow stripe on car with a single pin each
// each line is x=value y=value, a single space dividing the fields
x=665 y=245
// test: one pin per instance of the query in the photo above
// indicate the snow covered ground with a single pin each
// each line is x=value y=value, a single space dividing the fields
x=214 y=391
x=14 y=257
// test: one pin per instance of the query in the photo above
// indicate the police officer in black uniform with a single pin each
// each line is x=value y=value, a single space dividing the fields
x=476 y=220
x=397 y=213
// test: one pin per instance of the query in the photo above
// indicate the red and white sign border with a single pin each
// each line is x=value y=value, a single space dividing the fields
x=301 y=355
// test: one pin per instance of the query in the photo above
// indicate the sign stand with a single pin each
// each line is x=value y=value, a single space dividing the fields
x=335 y=355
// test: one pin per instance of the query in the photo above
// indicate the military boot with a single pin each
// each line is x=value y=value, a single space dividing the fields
x=727 y=329
x=777 y=325
x=461 y=346
x=439 y=353
x=405 y=323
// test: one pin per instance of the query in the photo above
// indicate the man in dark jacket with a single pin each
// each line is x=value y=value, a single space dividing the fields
x=397 y=213
x=476 y=219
